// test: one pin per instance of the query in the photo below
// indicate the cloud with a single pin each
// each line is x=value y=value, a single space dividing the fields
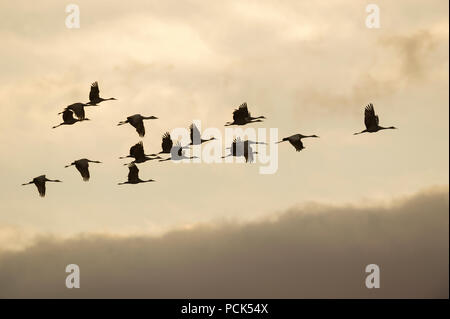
x=413 y=52
x=313 y=251
x=395 y=62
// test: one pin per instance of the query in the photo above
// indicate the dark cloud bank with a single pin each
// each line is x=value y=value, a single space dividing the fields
x=316 y=251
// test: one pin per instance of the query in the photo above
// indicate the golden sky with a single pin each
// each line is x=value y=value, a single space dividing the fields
x=309 y=67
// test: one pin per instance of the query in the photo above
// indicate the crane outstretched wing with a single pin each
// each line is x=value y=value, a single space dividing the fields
x=244 y=109
x=83 y=168
x=241 y=114
x=40 y=184
x=177 y=151
x=167 y=143
x=238 y=147
x=137 y=150
x=67 y=116
x=370 y=119
x=133 y=173
x=94 y=93
x=140 y=128
x=195 y=134
x=297 y=144
x=248 y=152
x=78 y=109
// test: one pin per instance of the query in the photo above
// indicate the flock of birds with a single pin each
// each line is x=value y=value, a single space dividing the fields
x=241 y=116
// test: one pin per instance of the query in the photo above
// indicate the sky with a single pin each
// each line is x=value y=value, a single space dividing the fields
x=308 y=67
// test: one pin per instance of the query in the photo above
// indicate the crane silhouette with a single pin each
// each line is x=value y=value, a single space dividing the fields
x=40 y=183
x=94 y=95
x=242 y=116
x=296 y=140
x=137 y=152
x=166 y=144
x=82 y=165
x=77 y=109
x=68 y=118
x=242 y=148
x=177 y=153
x=196 y=138
x=133 y=176
x=371 y=121
x=137 y=121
